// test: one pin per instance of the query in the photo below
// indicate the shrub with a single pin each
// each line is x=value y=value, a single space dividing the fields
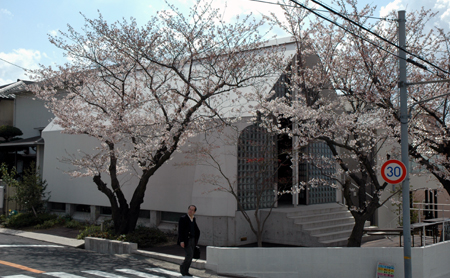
x=143 y=236
x=24 y=220
x=2 y=219
x=95 y=231
x=73 y=224
x=146 y=237
x=30 y=191
x=9 y=132
x=47 y=224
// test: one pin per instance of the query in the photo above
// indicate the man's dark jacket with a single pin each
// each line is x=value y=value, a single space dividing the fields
x=183 y=230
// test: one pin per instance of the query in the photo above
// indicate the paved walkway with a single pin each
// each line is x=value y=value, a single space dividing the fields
x=169 y=256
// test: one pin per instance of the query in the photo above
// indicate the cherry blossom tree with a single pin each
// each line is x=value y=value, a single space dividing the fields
x=328 y=102
x=373 y=65
x=143 y=91
x=361 y=67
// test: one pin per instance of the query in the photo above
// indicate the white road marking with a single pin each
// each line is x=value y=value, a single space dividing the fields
x=103 y=274
x=17 y=276
x=32 y=245
x=168 y=272
x=63 y=275
x=138 y=273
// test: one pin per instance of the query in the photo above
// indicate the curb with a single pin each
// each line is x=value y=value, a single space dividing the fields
x=71 y=242
x=198 y=264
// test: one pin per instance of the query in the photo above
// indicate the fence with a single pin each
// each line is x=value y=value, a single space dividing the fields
x=8 y=205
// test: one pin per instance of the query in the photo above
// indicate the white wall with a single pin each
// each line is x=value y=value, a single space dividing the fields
x=427 y=262
x=30 y=114
x=172 y=188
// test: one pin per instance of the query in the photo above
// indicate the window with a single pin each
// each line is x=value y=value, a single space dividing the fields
x=57 y=206
x=83 y=208
x=256 y=168
x=168 y=216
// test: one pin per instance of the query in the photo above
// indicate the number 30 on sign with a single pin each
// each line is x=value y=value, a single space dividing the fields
x=393 y=171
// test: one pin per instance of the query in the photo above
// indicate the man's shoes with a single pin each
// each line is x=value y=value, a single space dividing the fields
x=181 y=271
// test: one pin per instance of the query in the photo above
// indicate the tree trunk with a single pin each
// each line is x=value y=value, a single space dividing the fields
x=357 y=232
x=259 y=237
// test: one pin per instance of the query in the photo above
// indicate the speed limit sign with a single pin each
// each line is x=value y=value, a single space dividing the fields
x=393 y=171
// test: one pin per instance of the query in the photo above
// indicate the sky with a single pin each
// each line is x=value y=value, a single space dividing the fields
x=26 y=24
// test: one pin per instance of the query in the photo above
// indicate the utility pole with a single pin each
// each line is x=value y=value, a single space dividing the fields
x=404 y=143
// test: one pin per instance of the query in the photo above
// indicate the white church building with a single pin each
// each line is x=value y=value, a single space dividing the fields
x=313 y=217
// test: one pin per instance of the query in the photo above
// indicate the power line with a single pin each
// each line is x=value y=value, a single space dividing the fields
x=13 y=64
x=314 y=11
x=375 y=34
x=284 y=5
x=356 y=35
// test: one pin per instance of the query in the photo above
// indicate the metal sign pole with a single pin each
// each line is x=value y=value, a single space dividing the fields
x=404 y=143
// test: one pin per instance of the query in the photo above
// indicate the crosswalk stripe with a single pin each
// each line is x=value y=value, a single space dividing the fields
x=138 y=273
x=165 y=271
x=103 y=274
x=63 y=275
x=17 y=276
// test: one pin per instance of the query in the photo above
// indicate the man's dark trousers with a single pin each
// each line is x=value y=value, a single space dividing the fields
x=189 y=254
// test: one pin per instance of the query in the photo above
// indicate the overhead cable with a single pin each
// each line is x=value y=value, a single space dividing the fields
x=284 y=5
x=375 y=34
x=356 y=35
x=13 y=64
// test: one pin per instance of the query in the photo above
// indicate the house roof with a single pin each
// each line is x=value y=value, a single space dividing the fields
x=8 y=90
x=32 y=141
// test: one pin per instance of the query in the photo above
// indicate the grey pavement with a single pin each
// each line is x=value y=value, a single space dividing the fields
x=166 y=261
x=171 y=261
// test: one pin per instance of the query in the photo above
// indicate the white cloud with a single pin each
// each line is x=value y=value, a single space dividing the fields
x=239 y=7
x=4 y=13
x=53 y=32
x=392 y=6
x=442 y=20
x=21 y=58
x=231 y=8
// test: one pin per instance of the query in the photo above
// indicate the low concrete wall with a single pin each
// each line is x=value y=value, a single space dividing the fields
x=106 y=246
x=427 y=262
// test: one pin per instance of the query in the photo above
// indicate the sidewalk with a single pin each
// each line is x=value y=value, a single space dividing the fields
x=168 y=257
x=57 y=239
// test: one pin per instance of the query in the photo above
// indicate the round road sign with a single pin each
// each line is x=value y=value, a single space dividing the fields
x=393 y=171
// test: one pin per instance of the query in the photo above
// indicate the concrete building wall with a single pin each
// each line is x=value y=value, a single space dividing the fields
x=173 y=187
x=30 y=115
x=6 y=112
x=388 y=215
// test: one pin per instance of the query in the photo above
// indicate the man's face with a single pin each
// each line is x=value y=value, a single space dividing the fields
x=191 y=211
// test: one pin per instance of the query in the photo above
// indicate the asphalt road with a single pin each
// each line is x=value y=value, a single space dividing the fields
x=27 y=258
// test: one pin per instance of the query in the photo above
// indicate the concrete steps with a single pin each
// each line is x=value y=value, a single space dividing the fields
x=317 y=231
x=312 y=226
x=319 y=223
x=329 y=227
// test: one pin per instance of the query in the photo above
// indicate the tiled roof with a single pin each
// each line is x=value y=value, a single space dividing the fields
x=7 y=91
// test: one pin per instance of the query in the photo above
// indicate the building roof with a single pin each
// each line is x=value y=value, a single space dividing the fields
x=7 y=91
x=32 y=141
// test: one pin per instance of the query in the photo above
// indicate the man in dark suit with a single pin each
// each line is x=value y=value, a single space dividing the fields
x=188 y=235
